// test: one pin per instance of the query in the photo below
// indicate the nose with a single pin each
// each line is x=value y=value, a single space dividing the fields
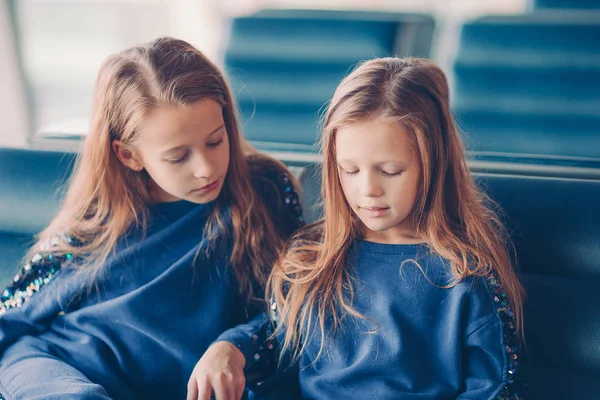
x=370 y=186
x=203 y=167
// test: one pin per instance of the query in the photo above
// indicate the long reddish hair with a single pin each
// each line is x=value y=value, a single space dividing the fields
x=105 y=198
x=452 y=215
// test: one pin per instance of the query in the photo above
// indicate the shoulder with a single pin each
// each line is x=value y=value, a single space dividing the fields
x=309 y=236
x=262 y=165
x=474 y=295
x=270 y=176
x=276 y=187
x=303 y=248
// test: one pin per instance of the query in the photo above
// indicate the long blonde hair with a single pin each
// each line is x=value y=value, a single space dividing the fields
x=105 y=199
x=457 y=220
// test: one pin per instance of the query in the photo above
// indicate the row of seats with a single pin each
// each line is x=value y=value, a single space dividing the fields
x=285 y=65
x=553 y=221
x=526 y=88
x=530 y=85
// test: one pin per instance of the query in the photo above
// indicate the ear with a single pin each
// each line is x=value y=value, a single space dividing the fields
x=127 y=155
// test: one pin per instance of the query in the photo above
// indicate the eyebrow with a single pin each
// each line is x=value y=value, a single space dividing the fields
x=216 y=130
x=399 y=164
x=184 y=146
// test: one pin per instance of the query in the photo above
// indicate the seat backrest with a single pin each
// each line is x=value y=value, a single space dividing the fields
x=555 y=227
x=567 y=4
x=285 y=64
x=30 y=194
x=530 y=85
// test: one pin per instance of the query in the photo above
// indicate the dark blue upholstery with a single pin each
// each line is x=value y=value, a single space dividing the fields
x=555 y=226
x=556 y=230
x=285 y=65
x=530 y=85
x=30 y=183
x=554 y=222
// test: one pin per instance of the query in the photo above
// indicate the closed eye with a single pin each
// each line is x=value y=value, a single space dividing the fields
x=179 y=160
x=391 y=174
x=349 y=172
x=215 y=144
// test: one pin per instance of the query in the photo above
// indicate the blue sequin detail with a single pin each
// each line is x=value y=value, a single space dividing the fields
x=264 y=359
x=513 y=390
x=34 y=275
x=291 y=198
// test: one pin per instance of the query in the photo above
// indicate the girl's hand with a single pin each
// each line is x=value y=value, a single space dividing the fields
x=220 y=371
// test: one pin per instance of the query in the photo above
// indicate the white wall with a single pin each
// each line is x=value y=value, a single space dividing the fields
x=14 y=117
x=64 y=42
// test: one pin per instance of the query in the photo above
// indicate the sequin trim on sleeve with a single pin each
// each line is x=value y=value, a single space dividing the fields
x=264 y=360
x=34 y=275
x=513 y=390
x=291 y=198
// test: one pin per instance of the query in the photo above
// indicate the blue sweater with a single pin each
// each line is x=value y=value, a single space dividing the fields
x=141 y=333
x=427 y=342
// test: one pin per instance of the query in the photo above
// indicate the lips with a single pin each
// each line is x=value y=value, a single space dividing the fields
x=208 y=188
x=375 y=212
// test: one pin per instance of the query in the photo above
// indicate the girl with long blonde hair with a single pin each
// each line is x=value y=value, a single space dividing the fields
x=405 y=289
x=166 y=237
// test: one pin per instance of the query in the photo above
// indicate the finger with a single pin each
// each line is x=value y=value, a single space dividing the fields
x=229 y=392
x=205 y=390
x=192 y=389
x=239 y=384
x=239 y=391
x=233 y=387
x=220 y=390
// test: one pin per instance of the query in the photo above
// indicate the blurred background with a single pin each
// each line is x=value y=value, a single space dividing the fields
x=524 y=73
x=525 y=90
x=51 y=49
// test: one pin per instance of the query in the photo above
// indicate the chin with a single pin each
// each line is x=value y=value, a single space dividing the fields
x=204 y=200
x=378 y=226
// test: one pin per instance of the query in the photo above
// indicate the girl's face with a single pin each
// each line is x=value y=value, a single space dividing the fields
x=185 y=150
x=380 y=175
